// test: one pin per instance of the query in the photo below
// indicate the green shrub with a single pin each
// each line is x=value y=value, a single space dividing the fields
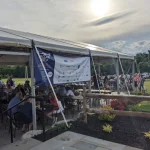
x=140 y=107
x=107 y=128
x=107 y=117
x=147 y=135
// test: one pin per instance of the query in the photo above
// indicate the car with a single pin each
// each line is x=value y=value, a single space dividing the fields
x=146 y=75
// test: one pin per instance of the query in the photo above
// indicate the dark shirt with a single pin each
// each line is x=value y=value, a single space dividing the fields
x=13 y=102
x=10 y=82
x=26 y=109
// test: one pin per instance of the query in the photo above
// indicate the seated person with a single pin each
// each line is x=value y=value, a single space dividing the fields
x=54 y=103
x=69 y=94
x=62 y=90
x=8 y=89
x=1 y=82
x=38 y=106
x=13 y=102
x=3 y=94
x=26 y=109
x=38 y=110
x=40 y=97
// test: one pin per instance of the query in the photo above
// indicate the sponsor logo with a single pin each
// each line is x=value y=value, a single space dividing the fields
x=50 y=74
x=45 y=55
x=65 y=60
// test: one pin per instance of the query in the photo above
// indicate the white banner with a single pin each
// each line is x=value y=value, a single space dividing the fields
x=61 y=69
x=69 y=69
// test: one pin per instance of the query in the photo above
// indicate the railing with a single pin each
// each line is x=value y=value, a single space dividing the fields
x=97 y=97
x=11 y=119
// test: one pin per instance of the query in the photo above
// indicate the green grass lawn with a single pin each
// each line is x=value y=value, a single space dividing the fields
x=147 y=85
x=141 y=107
x=17 y=80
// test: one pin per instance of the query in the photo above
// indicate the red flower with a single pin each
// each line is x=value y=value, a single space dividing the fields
x=120 y=107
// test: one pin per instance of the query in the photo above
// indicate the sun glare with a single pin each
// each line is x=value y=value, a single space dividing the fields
x=100 y=7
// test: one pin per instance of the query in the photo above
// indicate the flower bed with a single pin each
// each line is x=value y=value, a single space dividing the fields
x=125 y=130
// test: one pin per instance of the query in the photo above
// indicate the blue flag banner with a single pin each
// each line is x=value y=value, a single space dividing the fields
x=60 y=69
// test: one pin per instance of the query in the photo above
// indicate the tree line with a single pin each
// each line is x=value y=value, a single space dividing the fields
x=13 y=71
x=142 y=59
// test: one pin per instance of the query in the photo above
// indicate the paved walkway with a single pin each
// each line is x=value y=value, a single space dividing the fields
x=74 y=141
x=5 y=135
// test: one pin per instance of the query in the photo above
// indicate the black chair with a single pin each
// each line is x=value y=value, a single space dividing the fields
x=18 y=120
x=70 y=105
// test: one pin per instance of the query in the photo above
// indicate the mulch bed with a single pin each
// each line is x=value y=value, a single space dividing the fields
x=126 y=130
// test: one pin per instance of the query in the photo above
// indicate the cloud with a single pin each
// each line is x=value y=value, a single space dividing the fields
x=131 y=48
x=110 y=18
x=128 y=30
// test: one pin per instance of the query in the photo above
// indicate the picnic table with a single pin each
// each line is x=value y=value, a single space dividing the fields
x=96 y=91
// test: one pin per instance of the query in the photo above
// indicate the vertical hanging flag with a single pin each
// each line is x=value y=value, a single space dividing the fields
x=48 y=61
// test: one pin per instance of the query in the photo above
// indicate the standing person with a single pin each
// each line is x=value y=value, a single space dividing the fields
x=135 y=81
x=95 y=82
x=105 y=80
x=15 y=101
x=10 y=83
x=27 y=87
x=26 y=110
x=142 y=83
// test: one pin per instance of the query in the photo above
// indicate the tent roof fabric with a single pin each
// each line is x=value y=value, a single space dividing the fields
x=12 y=38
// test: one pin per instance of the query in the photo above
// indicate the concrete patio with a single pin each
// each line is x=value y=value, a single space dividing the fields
x=74 y=141
x=5 y=135
x=67 y=141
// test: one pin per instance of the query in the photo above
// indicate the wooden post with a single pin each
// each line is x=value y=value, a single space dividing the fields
x=84 y=105
x=89 y=91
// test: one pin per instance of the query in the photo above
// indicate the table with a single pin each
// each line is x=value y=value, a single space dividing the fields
x=96 y=91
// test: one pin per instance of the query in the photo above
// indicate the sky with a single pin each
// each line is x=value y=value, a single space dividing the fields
x=121 y=25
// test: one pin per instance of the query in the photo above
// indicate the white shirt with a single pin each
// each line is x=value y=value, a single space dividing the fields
x=70 y=93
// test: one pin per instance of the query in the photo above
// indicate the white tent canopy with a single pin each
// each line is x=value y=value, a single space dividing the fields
x=16 y=49
x=20 y=43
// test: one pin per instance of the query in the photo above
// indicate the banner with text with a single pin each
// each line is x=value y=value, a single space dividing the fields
x=60 y=69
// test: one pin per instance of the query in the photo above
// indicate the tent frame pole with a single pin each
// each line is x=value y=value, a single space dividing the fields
x=117 y=72
x=95 y=73
x=99 y=69
x=124 y=75
x=133 y=72
x=33 y=91
x=26 y=72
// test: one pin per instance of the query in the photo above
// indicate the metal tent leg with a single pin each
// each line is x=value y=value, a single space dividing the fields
x=33 y=93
